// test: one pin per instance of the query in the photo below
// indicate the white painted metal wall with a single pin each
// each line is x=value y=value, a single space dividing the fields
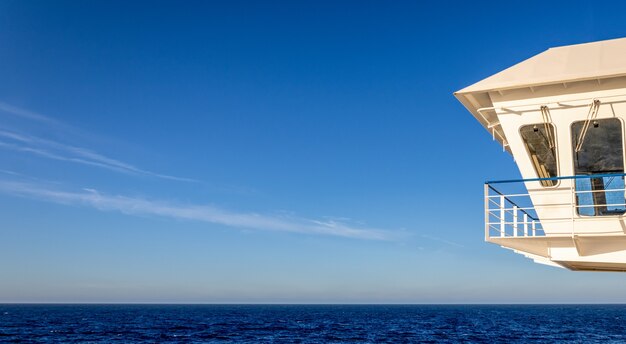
x=567 y=103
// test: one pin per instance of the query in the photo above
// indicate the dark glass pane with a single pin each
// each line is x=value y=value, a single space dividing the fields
x=600 y=196
x=540 y=145
x=601 y=148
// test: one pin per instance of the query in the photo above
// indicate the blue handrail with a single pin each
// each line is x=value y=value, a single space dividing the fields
x=555 y=178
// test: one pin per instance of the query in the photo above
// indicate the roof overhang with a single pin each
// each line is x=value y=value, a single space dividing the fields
x=562 y=65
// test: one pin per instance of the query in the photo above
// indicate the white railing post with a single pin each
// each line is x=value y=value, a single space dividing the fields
x=487 y=212
x=574 y=206
x=514 y=220
x=502 y=215
x=525 y=224
x=534 y=225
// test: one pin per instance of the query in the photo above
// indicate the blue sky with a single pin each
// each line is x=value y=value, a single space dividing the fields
x=277 y=152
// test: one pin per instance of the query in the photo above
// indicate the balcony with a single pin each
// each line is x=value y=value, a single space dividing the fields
x=582 y=214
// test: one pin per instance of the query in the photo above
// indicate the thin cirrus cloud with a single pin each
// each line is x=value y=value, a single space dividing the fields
x=199 y=213
x=19 y=140
x=58 y=151
x=50 y=149
x=26 y=114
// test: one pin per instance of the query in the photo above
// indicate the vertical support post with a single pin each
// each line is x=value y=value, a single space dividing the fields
x=534 y=225
x=514 y=220
x=525 y=224
x=574 y=203
x=487 y=212
x=502 y=215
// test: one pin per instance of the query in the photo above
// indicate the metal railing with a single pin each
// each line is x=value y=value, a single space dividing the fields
x=512 y=211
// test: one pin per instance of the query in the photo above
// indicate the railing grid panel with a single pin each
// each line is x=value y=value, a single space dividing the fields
x=513 y=214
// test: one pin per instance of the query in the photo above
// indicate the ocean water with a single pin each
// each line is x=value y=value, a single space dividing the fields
x=312 y=323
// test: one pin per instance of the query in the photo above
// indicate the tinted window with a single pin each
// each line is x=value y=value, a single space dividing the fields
x=600 y=148
x=540 y=144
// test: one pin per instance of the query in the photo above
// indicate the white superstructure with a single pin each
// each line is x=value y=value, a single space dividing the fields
x=561 y=115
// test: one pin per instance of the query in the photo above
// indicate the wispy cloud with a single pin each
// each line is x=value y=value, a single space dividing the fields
x=201 y=213
x=23 y=139
x=55 y=150
x=26 y=114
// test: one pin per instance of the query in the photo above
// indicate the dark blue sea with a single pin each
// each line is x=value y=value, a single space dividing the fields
x=312 y=323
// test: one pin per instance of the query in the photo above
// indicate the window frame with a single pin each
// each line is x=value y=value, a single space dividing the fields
x=573 y=161
x=557 y=182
